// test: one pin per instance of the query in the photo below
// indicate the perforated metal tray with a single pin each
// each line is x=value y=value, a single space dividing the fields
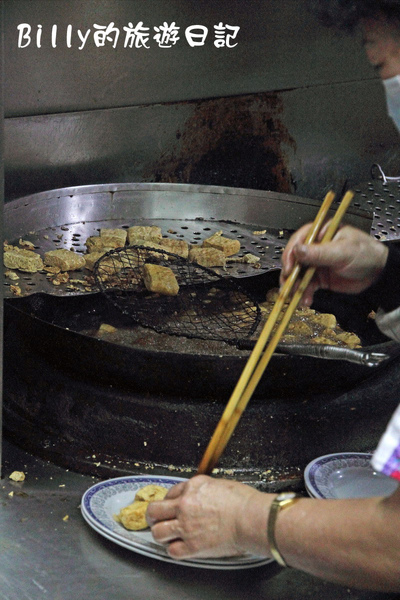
x=65 y=218
x=383 y=200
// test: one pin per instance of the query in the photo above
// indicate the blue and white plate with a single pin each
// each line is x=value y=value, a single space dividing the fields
x=105 y=499
x=346 y=475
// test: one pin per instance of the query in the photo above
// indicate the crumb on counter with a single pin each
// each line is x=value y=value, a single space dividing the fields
x=17 y=476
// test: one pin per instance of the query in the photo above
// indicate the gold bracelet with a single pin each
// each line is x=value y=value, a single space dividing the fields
x=280 y=502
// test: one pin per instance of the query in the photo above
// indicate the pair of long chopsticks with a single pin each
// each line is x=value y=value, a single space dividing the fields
x=259 y=358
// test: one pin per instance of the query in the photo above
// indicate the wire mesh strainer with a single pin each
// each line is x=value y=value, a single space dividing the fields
x=207 y=305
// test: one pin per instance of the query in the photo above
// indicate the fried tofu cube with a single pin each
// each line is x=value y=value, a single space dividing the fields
x=109 y=266
x=66 y=260
x=142 y=232
x=289 y=339
x=23 y=260
x=305 y=311
x=224 y=244
x=91 y=259
x=326 y=320
x=160 y=280
x=300 y=328
x=117 y=236
x=96 y=243
x=323 y=340
x=272 y=296
x=179 y=247
x=350 y=339
x=207 y=257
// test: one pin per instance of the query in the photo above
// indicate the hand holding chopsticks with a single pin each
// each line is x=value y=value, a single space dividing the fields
x=259 y=358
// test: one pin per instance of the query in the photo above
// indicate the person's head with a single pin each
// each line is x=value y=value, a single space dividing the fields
x=379 y=21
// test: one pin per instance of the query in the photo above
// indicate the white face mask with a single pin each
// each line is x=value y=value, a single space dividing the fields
x=392 y=91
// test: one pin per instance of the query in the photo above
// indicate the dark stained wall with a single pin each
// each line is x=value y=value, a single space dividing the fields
x=292 y=107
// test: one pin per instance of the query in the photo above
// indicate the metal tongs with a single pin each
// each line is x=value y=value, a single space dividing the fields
x=359 y=357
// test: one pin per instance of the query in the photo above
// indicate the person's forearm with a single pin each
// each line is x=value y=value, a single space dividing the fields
x=352 y=542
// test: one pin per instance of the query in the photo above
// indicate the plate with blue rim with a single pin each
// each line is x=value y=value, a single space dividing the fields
x=346 y=475
x=101 y=502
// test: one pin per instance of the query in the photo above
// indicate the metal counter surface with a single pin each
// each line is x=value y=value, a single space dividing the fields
x=44 y=556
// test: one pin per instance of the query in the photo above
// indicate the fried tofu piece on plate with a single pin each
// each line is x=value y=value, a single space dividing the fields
x=151 y=493
x=133 y=516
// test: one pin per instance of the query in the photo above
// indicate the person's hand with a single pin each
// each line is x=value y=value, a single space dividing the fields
x=350 y=263
x=206 y=517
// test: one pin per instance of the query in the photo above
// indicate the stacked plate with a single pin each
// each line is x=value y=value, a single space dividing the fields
x=346 y=475
x=105 y=499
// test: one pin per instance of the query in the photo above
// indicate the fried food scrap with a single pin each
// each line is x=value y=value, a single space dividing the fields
x=105 y=328
x=11 y=275
x=22 y=260
x=161 y=280
x=60 y=278
x=26 y=244
x=249 y=259
x=207 y=257
x=66 y=260
x=133 y=516
x=224 y=244
x=16 y=290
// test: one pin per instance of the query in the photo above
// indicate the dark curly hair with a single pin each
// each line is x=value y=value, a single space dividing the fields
x=346 y=14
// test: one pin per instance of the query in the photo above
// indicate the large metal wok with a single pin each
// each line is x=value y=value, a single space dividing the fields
x=261 y=220
x=64 y=388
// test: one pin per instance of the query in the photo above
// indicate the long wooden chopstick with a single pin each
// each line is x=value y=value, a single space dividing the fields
x=255 y=366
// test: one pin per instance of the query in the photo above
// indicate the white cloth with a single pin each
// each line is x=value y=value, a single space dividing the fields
x=389 y=324
x=386 y=458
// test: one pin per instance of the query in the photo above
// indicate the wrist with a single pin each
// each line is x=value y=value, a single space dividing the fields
x=252 y=523
x=281 y=502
